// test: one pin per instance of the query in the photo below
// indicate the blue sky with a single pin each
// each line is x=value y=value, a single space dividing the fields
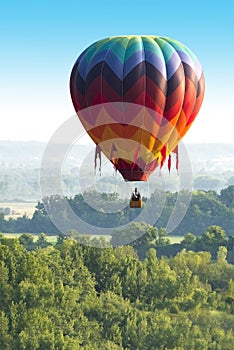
x=40 y=41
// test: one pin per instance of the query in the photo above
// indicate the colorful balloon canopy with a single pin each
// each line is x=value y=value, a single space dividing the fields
x=137 y=96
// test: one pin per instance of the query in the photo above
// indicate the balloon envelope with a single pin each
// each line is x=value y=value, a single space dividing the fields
x=137 y=96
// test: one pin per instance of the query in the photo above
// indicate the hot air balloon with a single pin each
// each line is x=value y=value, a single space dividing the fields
x=137 y=96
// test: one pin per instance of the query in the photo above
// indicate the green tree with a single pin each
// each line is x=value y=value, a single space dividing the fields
x=189 y=241
x=5 y=286
x=227 y=196
x=42 y=241
x=222 y=254
x=211 y=239
x=26 y=239
x=5 y=338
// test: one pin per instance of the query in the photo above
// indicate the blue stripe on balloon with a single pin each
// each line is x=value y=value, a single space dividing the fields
x=115 y=64
x=185 y=58
x=173 y=64
x=97 y=58
x=198 y=69
x=156 y=62
x=133 y=61
x=83 y=67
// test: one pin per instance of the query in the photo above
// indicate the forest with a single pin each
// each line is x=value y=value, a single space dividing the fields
x=74 y=296
x=149 y=294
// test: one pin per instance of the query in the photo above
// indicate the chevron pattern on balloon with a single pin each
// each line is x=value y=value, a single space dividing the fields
x=159 y=75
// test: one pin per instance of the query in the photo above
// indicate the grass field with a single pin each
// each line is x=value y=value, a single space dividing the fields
x=53 y=239
x=175 y=239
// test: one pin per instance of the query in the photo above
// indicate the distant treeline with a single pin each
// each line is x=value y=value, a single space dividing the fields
x=205 y=209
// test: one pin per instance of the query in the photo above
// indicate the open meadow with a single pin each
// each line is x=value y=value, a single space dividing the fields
x=50 y=239
x=53 y=239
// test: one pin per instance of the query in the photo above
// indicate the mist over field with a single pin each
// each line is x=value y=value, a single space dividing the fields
x=20 y=163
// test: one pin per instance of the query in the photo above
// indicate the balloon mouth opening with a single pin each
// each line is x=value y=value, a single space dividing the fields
x=134 y=171
x=134 y=174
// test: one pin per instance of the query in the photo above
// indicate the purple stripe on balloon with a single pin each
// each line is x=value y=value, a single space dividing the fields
x=198 y=69
x=98 y=57
x=83 y=67
x=133 y=61
x=115 y=64
x=109 y=57
x=83 y=62
x=185 y=58
x=172 y=65
x=156 y=62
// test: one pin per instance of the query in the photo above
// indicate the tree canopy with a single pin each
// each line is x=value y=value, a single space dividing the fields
x=73 y=296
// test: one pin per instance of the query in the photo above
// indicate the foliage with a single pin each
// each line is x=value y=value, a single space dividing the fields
x=147 y=295
x=211 y=241
x=205 y=209
x=73 y=296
